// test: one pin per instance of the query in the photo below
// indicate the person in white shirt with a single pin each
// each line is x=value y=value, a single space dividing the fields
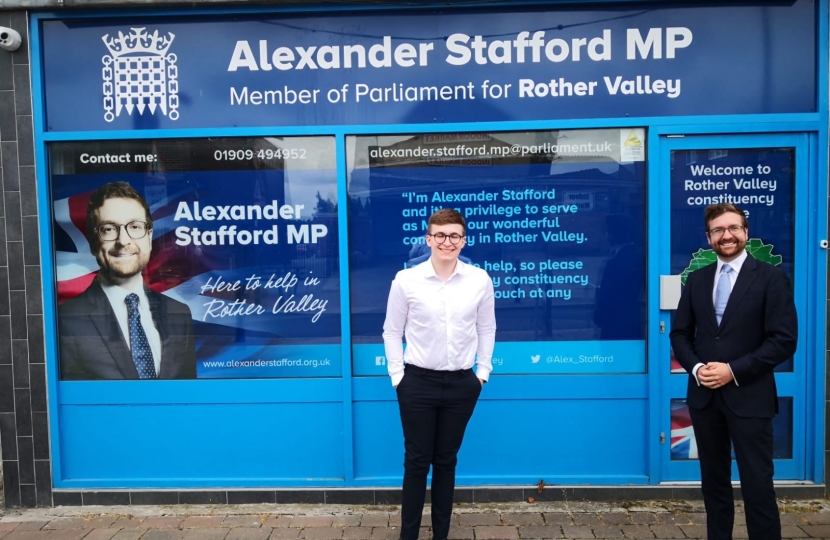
x=446 y=310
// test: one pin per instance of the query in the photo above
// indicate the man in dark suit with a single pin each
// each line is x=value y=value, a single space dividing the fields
x=118 y=328
x=735 y=322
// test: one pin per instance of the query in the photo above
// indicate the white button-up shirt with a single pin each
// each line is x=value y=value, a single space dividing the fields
x=449 y=325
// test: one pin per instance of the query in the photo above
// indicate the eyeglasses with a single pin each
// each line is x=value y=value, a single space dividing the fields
x=440 y=237
x=718 y=232
x=110 y=231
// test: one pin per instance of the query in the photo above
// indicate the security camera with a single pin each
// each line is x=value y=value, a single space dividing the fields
x=9 y=39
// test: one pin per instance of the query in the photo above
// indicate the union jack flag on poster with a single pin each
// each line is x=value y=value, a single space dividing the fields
x=683 y=445
x=170 y=266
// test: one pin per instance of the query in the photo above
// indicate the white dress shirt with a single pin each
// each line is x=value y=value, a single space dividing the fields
x=449 y=325
x=736 y=265
x=116 y=296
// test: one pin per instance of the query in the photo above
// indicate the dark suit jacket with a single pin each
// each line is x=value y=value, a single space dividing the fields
x=758 y=331
x=92 y=346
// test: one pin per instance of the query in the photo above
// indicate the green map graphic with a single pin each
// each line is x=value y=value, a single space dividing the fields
x=755 y=247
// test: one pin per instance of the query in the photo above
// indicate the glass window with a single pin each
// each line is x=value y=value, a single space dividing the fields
x=557 y=218
x=196 y=258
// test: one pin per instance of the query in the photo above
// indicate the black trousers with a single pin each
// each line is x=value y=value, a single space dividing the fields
x=715 y=427
x=435 y=408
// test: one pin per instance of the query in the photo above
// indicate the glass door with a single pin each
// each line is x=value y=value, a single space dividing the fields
x=766 y=176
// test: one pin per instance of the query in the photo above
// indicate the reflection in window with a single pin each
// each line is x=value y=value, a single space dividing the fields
x=691 y=157
x=557 y=219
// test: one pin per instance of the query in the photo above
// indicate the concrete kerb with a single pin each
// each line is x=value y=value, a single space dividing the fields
x=567 y=507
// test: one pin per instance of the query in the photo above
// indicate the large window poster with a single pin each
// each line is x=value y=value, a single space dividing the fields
x=557 y=218
x=760 y=181
x=196 y=258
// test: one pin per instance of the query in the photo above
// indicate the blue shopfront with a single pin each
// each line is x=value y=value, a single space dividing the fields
x=290 y=157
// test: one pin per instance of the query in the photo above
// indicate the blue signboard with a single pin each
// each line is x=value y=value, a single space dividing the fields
x=523 y=64
x=556 y=218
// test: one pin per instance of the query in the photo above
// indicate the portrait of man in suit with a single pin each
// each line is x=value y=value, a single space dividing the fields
x=735 y=322
x=119 y=328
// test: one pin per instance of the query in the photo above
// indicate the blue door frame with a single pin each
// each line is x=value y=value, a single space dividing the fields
x=808 y=365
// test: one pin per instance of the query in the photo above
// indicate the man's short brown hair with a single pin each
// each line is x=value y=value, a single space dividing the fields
x=113 y=190
x=447 y=216
x=718 y=209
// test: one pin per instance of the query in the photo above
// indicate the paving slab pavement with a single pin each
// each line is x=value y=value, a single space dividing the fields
x=482 y=521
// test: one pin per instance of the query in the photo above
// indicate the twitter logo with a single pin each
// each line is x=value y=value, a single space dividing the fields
x=535 y=359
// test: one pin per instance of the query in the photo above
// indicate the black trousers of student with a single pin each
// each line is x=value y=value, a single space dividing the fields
x=716 y=428
x=435 y=408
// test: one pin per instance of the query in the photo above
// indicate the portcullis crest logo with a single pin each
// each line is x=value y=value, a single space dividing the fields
x=140 y=75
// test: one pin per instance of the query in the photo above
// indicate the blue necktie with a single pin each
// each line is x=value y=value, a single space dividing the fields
x=722 y=291
x=139 y=346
